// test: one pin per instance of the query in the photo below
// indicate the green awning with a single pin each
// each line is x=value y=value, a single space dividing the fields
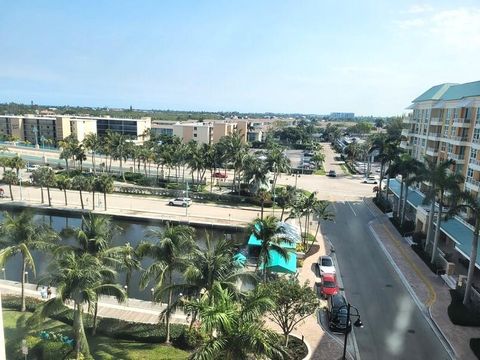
x=278 y=264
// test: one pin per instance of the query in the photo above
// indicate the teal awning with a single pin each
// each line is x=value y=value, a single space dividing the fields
x=253 y=241
x=239 y=259
x=278 y=264
x=414 y=197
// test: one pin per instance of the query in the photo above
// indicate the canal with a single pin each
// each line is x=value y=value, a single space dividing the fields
x=132 y=231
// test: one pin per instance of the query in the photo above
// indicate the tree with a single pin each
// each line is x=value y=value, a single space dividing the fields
x=321 y=212
x=10 y=178
x=130 y=260
x=285 y=198
x=64 y=183
x=277 y=162
x=45 y=177
x=271 y=236
x=293 y=302
x=169 y=254
x=117 y=145
x=78 y=277
x=467 y=201
x=235 y=330
x=304 y=206
x=79 y=183
x=93 y=143
x=19 y=234
x=68 y=146
x=17 y=163
x=104 y=184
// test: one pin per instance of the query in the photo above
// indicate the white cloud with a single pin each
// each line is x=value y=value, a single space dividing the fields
x=419 y=8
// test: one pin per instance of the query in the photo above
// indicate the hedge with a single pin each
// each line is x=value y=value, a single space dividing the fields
x=460 y=314
x=426 y=259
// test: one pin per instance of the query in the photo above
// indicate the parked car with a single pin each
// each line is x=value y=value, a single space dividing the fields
x=328 y=286
x=325 y=265
x=369 y=180
x=337 y=314
x=220 y=175
x=32 y=167
x=308 y=153
x=180 y=202
x=332 y=173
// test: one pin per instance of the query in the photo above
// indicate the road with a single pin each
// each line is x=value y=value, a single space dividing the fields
x=395 y=328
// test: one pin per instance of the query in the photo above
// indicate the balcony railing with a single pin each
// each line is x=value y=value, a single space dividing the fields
x=432 y=151
x=475 y=162
x=434 y=135
x=473 y=182
x=457 y=157
x=436 y=121
x=461 y=122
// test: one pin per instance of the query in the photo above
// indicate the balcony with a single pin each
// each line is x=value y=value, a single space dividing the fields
x=432 y=151
x=474 y=164
x=472 y=184
x=461 y=123
x=405 y=145
x=436 y=121
x=457 y=140
x=405 y=132
x=434 y=136
x=459 y=158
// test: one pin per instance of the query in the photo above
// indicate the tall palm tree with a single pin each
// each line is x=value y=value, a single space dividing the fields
x=466 y=201
x=78 y=277
x=79 y=183
x=277 y=162
x=10 y=178
x=104 y=184
x=271 y=236
x=68 y=146
x=17 y=163
x=45 y=177
x=170 y=253
x=415 y=169
x=304 y=206
x=322 y=212
x=19 y=234
x=129 y=261
x=93 y=143
x=117 y=144
x=286 y=198
x=235 y=330
x=64 y=183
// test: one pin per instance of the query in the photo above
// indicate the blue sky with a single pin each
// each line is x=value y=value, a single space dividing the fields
x=319 y=56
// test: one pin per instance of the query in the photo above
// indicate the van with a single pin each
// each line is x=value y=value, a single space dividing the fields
x=337 y=314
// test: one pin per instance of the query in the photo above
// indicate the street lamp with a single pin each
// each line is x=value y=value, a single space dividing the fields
x=35 y=131
x=126 y=292
x=4 y=276
x=357 y=323
x=26 y=277
x=152 y=290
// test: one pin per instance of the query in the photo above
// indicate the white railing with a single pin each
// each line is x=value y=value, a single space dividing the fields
x=461 y=122
x=436 y=121
x=456 y=157
x=474 y=162
x=473 y=182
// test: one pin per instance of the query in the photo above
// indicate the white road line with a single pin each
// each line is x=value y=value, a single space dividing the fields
x=351 y=207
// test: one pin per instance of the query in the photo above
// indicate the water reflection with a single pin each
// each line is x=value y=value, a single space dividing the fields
x=129 y=231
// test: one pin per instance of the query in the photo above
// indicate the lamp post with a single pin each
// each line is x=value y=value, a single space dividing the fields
x=4 y=276
x=357 y=323
x=35 y=131
x=152 y=290
x=126 y=292
x=26 y=277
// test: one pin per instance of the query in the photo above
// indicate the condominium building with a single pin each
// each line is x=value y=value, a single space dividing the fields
x=37 y=129
x=445 y=124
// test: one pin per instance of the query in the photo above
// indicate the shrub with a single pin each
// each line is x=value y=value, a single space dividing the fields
x=426 y=259
x=406 y=228
x=418 y=237
x=460 y=314
x=382 y=204
x=189 y=339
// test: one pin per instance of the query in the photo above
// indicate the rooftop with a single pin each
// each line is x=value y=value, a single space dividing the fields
x=449 y=91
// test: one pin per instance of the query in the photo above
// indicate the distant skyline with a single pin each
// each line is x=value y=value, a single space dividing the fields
x=367 y=57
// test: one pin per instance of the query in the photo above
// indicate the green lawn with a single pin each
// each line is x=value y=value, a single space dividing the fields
x=101 y=347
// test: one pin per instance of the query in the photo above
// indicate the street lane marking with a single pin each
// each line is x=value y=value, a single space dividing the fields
x=351 y=207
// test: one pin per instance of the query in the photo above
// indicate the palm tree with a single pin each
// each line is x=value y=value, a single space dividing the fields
x=286 y=198
x=277 y=162
x=79 y=183
x=117 y=145
x=271 y=236
x=68 y=146
x=170 y=254
x=17 y=163
x=20 y=235
x=79 y=277
x=79 y=155
x=130 y=261
x=466 y=201
x=10 y=178
x=93 y=143
x=235 y=330
x=104 y=184
x=45 y=177
x=303 y=207
x=321 y=212
x=64 y=183
x=412 y=177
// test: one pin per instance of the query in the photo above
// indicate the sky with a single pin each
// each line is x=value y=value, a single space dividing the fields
x=289 y=56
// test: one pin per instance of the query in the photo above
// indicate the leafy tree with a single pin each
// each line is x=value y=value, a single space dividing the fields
x=271 y=235
x=17 y=163
x=235 y=330
x=11 y=178
x=293 y=302
x=169 y=253
x=93 y=143
x=19 y=234
x=81 y=184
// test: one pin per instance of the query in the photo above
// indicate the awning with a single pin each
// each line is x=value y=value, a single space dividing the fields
x=278 y=264
x=253 y=241
x=239 y=259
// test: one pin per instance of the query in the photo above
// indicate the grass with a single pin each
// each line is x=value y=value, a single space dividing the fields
x=101 y=347
x=320 y=171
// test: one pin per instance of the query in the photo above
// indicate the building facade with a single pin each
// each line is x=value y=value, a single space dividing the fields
x=445 y=124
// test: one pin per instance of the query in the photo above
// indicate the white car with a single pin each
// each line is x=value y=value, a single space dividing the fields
x=369 y=180
x=180 y=202
x=325 y=264
x=32 y=167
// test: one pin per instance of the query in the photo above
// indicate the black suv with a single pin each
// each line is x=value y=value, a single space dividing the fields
x=332 y=173
x=337 y=314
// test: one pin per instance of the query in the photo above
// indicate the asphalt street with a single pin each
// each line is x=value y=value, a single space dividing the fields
x=394 y=326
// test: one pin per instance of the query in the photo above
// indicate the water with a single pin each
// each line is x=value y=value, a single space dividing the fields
x=130 y=231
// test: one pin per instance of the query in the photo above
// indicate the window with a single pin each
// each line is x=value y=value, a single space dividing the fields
x=473 y=153
x=194 y=135
x=449 y=114
x=194 y=128
x=478 y=114
x=476 y=134
x=470 y=173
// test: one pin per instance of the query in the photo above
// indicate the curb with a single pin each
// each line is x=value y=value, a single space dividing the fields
x=425 y=310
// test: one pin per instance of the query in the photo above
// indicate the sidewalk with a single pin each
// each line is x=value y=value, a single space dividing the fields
x=132 y=310
x=431 y=291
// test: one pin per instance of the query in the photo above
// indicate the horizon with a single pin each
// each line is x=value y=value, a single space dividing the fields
x=371 y=59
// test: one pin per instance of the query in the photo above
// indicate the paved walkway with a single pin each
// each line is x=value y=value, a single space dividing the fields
x=430 y=290
x=132 y=310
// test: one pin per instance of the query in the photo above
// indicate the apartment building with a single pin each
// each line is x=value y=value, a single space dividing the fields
x=37 y=129
x=445 y=124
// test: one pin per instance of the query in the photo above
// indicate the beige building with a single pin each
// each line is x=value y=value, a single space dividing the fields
x=445 y=124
